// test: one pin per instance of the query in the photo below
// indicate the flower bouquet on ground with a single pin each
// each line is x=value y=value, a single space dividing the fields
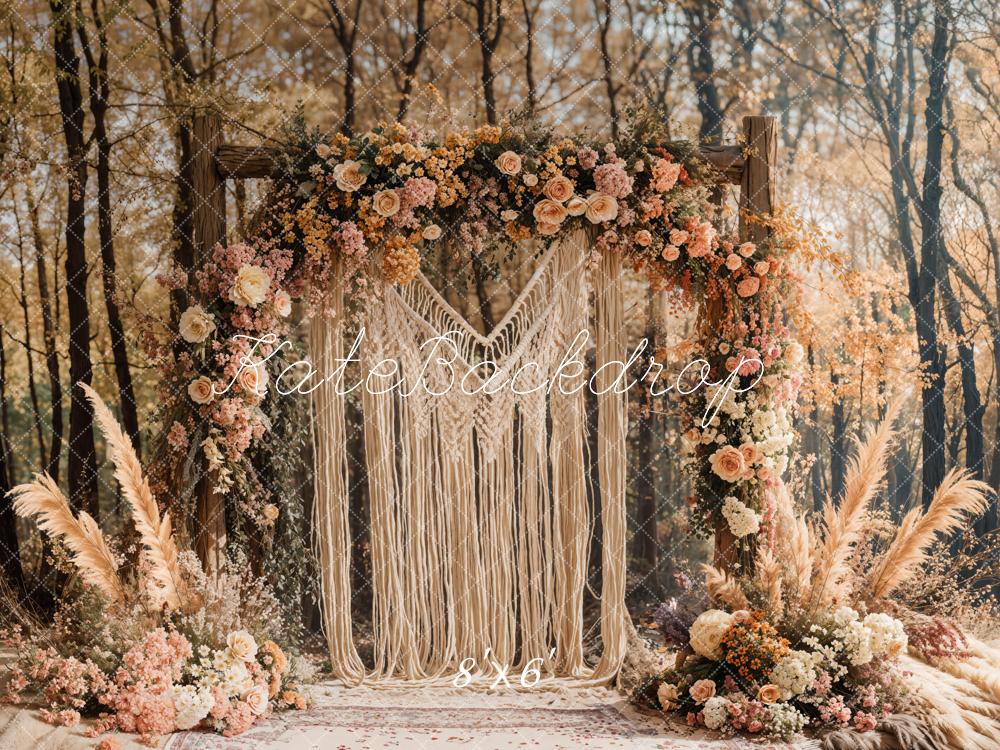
x=815 y=637
x=160 y=648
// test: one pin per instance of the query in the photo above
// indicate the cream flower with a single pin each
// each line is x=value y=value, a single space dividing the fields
x=577 y=206
x=530 y=179
x=509 y=163
x=746 y=249
x=431 y=232
x=270 y=512
x=733 y=261
x=282 y=303
x=643 y=238
x=256 y=699
x=196 y=325
x=601 y=208
x=667 y=695
x=386 y=203
x=727 y=463
x=200 y=390
x=548 y=211
x=761 y=267
x=793 y=353
x=250 y=287
x=348 y=176
x=509 y=215
x=559 y=189
x=707 y=631
x=241 y=645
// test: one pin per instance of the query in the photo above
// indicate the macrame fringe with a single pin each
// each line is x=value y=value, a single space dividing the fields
x=479 y=516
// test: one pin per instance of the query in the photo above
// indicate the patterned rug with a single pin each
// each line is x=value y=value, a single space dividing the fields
x=365 y=719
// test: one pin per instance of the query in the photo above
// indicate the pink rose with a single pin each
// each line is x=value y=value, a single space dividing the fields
x=256 y=699
x=670 y=253
x=733 y=262
x=702 y=690
x=761 y=267
x=678 y=236
x=746 y=249
x=643 y=238
x=751 y=453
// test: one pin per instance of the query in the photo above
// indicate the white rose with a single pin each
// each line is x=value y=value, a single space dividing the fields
x=250 y=287
x=282 y=303
x=601 y=208
x=253 y=379
x=431 y=232
x=242 y=646
x=707 y=631
x=667 y=696
x=196 y=325
x=200 y=390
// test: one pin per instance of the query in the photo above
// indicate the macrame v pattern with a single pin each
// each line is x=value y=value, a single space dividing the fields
x=478 y=495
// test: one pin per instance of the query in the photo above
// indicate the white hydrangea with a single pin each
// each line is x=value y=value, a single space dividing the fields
x=192 y=704
x=742 y=520
x=857 y=642
x=844 y=615
x=716 y=712
x=886 y=635
x=794 y=674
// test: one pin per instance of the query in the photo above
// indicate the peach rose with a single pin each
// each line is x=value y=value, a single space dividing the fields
x=727 y=463
x=670 y=253
x=643 y=238
x=256 y=699
x=547 y=230
x=270 y=512
x=509 y=215
x=348 y=176
x=733 y=262
x=748 y=287
x=769 y=693
x=196 y=325
x=431 y=232
x=548 y=211
x=577 y=206
x=761 y=267
x=508 y=162
x=702 y=690
x=282 y=303
x=253 y=379
x=386 y=203
x=530 y=179
x=601 y=208
x=678 y=236
x=250 y=287
x=559 y=189
x=746 y=249
x=667 y=696
x=242 y=646
x=751 y=453
x=200 y=390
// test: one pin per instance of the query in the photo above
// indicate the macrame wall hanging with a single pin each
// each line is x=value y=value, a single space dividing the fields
x=479 y=517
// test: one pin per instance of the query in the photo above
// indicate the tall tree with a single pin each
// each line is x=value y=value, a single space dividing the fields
x=489 y=29
x=82 y=466
x=99 y=93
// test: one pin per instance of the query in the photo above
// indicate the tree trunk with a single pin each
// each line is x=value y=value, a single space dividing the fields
x=49 y=335
x=838 y=443
x=82 y=466
x=99 y=90
x=701 y=62
x=10 y=552
x=930 y=262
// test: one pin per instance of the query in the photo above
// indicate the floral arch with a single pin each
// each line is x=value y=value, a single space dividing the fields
x=344 y=230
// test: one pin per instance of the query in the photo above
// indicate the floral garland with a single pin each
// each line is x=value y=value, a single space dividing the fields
x=373 y=206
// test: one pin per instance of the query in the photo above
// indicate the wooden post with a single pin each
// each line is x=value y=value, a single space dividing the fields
x=757 y=198
x=208 y=190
